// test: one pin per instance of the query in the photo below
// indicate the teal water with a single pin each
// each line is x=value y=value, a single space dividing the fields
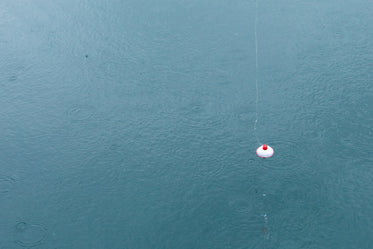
x=129 y=124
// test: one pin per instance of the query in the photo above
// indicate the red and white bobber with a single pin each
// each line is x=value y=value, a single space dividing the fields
x=265 y=151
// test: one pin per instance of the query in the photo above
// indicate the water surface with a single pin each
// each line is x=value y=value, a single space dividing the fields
x=129 y=124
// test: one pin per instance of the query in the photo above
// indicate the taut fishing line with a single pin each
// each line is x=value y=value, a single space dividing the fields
x=256 y=71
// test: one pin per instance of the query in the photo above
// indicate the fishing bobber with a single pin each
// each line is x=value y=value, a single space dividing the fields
x=265 y=151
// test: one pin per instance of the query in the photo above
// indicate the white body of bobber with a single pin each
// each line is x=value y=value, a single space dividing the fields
x=265 y=151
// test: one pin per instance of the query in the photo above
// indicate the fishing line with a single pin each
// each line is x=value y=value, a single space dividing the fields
x=256 y=71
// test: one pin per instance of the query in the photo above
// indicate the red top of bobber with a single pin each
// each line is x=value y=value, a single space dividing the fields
x=265 y=151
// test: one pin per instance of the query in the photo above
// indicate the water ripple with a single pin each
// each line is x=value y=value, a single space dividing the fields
x=80 y=112
x=29 y=235
x=6 y=184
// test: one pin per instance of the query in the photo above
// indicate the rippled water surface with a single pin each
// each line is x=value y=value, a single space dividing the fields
x=129 y=124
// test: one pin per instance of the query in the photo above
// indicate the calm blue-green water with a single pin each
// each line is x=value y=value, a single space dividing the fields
x=128 y=124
